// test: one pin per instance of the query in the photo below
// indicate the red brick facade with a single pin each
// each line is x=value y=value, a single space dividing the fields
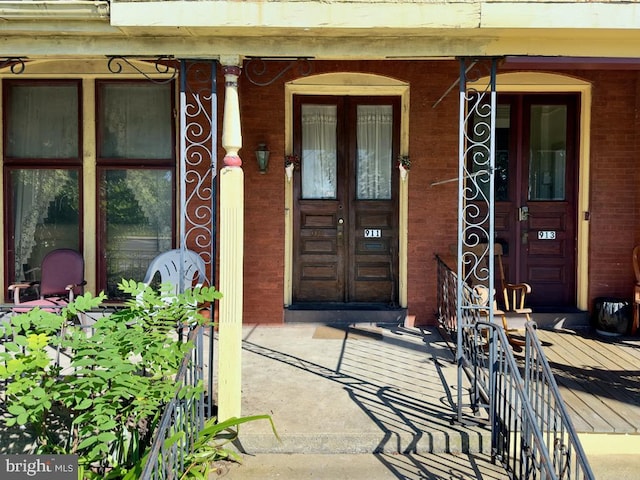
x=433 y=148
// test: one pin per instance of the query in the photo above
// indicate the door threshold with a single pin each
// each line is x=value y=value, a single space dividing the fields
x=344 y=314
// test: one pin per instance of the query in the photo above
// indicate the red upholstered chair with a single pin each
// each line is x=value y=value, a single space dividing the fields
x=61 y=278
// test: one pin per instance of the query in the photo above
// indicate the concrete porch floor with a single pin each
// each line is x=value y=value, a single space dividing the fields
x=366 y=401
x=357 y=389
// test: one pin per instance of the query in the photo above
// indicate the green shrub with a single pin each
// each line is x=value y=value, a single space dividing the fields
x=106 y=405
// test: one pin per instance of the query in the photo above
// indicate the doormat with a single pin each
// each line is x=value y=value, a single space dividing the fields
x=327 y=332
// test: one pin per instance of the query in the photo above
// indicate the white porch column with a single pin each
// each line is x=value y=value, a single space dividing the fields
x=231 y=249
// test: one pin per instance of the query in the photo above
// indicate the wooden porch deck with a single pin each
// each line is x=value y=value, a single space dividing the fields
x=599 y=378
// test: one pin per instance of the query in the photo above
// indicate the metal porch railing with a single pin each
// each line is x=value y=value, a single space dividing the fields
x=531 y=432
x=180 y=415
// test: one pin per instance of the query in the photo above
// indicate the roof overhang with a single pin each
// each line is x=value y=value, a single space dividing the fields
x=322 y=30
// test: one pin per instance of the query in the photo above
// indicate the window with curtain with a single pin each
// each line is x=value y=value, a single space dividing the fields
x=43 y=169
x=136 y=161
x=319 y=151
x=135 y=121
x=137 y=205
x=374 y=151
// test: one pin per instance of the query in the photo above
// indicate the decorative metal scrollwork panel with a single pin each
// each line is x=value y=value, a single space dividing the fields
x=163 y=65
x=198 y=158
x=477 y=167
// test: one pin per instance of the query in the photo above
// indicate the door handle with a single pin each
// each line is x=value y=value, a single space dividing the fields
x=523 y=213
x=340 y=228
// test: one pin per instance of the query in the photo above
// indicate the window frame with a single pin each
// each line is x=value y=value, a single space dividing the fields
x=104 y=164
x=16 y=163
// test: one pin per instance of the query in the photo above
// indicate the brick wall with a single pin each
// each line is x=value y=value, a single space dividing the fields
x=614 y=183
x=433 y=149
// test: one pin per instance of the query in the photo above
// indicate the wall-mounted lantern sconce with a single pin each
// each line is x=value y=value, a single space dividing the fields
x=262 y=155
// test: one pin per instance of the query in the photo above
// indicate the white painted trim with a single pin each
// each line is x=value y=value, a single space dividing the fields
x=384 y=15
x=338 y=84
x=77 y=10
x=560 y=15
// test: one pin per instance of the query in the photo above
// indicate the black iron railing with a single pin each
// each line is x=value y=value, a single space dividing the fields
x=532 y=433
x=182 y=419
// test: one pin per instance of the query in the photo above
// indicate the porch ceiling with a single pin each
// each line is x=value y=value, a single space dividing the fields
x=335 y=30
x=106 y=40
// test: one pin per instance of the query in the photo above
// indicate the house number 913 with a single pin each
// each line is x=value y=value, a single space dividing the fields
x=372 y=233
x=546 y=235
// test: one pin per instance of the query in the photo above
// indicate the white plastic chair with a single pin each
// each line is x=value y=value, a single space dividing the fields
x=179 y=268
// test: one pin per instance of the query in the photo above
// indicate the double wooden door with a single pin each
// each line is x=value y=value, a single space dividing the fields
x=345 y=200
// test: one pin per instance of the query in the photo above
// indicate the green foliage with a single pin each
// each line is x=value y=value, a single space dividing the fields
x=104 y=406
x=207 y=449
x=210 y=446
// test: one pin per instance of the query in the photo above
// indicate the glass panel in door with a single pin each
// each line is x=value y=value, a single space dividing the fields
x=319 y=151
x=548 y=152
x=374 y=152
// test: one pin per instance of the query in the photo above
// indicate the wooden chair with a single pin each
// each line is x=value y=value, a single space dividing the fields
x=636 y=291
x=513 y=309
x=515 y=300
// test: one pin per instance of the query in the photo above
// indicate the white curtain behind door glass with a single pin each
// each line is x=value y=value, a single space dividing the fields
x=374 y=151
x=319 y=144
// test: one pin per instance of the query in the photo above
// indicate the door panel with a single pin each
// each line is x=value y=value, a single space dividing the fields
x=372 y=277
x=345 y=200
x=319 y=258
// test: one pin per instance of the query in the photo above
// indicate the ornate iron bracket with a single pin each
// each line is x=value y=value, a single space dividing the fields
x=16 y=64
x=115 y=65
x=256 y=67
x=475 y=68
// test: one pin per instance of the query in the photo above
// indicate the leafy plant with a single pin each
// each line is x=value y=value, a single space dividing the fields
x=210 y=446
x=207 y=449
x=106 y=404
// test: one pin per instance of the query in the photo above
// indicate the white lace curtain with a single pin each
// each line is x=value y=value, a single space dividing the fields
x=42 y=123
x=319 y=145
x=375 y=151
x=33 y=192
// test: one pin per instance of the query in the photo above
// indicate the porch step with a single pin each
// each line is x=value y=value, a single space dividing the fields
x=465 y=440
x=344 y=315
